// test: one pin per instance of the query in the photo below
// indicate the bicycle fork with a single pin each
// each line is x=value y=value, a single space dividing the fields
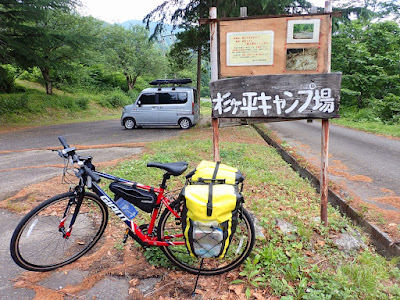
x=76 y=198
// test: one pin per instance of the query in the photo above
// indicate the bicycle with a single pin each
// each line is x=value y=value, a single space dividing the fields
x=63 y=228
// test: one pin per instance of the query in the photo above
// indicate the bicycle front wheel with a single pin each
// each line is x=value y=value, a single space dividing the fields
x=39 y=242
x=239 y=248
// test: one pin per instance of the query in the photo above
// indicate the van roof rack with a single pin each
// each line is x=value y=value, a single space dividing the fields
x=173 y=82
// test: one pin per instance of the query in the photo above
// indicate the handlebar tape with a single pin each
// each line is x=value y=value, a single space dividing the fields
x=95 y=177
x=63 y=141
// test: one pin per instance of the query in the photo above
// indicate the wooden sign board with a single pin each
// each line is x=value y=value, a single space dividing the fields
x=294 y=96
x=284 y=45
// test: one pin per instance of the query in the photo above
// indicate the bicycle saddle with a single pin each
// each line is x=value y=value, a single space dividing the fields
x=175 y=168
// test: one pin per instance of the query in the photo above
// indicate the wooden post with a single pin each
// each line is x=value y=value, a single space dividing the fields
x=324 y=171
x=325 y=136
x=214 y=76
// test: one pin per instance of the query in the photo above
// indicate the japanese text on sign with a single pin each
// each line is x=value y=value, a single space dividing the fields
x=314 y=99
x=250 y=48
x=292 y=96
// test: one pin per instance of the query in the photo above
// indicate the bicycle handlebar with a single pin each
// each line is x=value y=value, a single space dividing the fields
x=70 y=152
x=63 y=141
x=95 y=177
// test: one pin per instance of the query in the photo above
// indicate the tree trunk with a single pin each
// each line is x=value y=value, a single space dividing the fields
x=131 y=81
x=198 y=72
x=47 y=80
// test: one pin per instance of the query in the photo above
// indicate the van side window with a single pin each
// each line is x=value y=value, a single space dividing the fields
x=172 y=98
x=147 y=99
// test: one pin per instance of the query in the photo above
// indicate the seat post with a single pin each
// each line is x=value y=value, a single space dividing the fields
x=166 y=176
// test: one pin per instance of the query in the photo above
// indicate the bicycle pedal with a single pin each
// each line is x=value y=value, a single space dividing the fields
x=125 y=236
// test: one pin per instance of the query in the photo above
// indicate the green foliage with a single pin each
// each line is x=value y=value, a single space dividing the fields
x=19 y=29
x=13 y=103
x=116 y=98
x=32 y=75
x=82 y=102
x=367 y=54
x=37 y=103
x=388 y=108
x=130 y=52
x=7 y=83
x=156 y=257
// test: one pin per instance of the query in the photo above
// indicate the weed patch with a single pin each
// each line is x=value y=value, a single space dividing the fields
x=302 y=264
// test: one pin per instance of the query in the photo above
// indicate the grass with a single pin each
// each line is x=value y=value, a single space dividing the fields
x=369 y=126
x=30 y=106
x=303 y=265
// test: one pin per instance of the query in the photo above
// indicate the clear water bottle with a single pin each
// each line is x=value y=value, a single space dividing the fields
x=129 y=210
x=207 y=239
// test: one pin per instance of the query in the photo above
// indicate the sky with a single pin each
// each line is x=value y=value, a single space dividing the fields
x=118 y=11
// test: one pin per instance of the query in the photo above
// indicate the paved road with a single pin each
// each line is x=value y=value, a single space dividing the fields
x=356 y=158
x=23 y=163
x=91 y=133
x=34 y=161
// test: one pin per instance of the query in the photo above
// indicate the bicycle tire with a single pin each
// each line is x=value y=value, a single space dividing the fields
x=38 y=244
x=240 y=247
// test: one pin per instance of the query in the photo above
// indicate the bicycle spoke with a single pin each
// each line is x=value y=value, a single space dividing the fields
x=38 y=243
x=239 y=248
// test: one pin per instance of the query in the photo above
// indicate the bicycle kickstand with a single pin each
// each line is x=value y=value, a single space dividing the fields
x=197 y=278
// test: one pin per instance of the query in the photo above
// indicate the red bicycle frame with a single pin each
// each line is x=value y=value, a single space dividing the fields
x=146 y=239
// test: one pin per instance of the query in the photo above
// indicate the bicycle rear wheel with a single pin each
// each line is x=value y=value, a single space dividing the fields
x=240 y=247
x=38 y=243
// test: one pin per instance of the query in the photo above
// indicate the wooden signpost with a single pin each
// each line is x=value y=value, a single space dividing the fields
x=274 y=68
x=299 y=96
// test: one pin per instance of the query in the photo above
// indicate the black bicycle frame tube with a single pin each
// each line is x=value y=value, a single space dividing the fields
x=111 y=204
x=79 y=195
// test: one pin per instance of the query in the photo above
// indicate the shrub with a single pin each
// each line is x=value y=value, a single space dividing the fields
x=33 y=75
x=7 y=83
x=388 y=108
x=13 y=102
x=115 y=99
x=365 y=114
x=82 y=102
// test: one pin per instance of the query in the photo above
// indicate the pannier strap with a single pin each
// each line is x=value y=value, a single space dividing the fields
x=210 y=188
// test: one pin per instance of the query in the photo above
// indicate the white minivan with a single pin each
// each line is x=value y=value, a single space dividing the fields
x=170 y=103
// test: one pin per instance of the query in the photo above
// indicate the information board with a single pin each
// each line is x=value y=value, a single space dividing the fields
x=250 y=48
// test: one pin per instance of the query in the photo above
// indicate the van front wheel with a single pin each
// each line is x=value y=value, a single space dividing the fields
x=185 y=123
x=129 y=123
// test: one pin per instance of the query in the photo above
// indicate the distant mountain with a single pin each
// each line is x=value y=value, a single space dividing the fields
x=167 y=38
x=168 y=28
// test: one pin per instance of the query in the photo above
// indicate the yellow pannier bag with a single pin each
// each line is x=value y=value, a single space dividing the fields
x=209 y=170
x=209 y=234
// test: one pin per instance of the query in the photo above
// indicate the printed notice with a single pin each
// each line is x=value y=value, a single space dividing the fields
x=250 y=48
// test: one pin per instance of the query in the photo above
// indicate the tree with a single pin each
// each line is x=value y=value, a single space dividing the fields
x=18 y=21
x=368 y=56
x=130 y=52
x=195 y=39
x=62 y=40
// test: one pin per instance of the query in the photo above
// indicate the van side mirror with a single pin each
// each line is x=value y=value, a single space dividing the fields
x=139 y=103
